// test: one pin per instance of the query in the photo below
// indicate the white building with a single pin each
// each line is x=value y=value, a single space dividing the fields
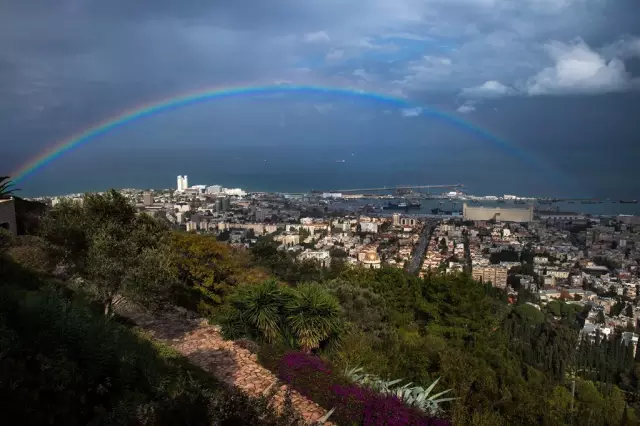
x=183 y=183
x=370 y=227
x=214 y=189
x=323 y=257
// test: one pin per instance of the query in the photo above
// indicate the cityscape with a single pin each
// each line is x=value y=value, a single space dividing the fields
x=320 y=213
x=519 y=244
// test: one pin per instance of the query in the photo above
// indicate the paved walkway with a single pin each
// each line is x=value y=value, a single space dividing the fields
x=204 y=346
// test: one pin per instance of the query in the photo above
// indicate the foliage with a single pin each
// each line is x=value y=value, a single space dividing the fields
x=306 y=316
x=6 y=187
x=413 y=396
x=208 y=270
x=113 y=251
x=314 y=378
x=62 y=364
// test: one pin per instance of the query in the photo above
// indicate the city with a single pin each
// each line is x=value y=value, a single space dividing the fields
x=543 y=255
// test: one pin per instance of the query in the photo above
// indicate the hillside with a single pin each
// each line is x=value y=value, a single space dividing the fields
x=335 y=336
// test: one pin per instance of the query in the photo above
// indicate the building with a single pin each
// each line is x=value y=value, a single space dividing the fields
x=8 y=216
x=369 y=227
x=262 y=214
x=322 y=257
x=371 y=260
x=495 y=274
x=214 y=189
x=147 y=199
x=408 y=221
x=497 y=213
x=183 y=183
x=396 y=219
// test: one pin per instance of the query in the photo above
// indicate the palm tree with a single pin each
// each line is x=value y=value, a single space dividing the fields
x=6 y=189
x=313 y=316
x=256 y=312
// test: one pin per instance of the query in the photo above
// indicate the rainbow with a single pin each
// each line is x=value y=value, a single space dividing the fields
x=202 y=96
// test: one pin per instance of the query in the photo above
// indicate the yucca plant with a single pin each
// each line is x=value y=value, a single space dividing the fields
x=415 y=396
x=313 y=316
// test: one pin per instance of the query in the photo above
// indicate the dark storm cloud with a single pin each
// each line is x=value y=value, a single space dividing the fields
x=67 y=64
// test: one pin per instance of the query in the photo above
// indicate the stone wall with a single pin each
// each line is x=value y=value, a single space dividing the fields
x=8 y=215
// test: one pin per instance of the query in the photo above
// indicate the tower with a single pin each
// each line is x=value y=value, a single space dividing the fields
x=396 y=219
x=180 y=184
x=185 y=183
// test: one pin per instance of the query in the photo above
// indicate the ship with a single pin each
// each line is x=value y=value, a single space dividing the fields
x=440 y=211
x=589 y=202
x=628 y=201
x=402 y=205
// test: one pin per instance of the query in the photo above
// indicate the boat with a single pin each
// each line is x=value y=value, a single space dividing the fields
x=544 y=201
x=628 y=201
x=414 y=204
x=440 y=211
x=589 y=202
x=341 y=161
x=395 y=206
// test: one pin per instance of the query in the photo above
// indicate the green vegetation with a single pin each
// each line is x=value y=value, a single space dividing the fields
x=6 y=187
x=65 y=358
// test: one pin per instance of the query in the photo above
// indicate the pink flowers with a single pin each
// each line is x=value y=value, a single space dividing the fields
x=313 y=378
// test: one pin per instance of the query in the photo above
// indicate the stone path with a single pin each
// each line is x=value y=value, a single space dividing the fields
x=204 y=346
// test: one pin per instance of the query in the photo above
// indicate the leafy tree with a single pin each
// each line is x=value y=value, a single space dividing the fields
x=208 y=270
x=105 y=243
x=600 y=319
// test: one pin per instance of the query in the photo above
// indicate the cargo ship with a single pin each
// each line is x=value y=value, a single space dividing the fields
x=402 y=205
x=628 y=201
x=438 y=210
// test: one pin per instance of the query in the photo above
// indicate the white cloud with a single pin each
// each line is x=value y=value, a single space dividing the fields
x=317 y=37
x=411 y=112
x=579 y=69
x=466 y=107
x=490 y=89
x=363 y=74
x=334 y=55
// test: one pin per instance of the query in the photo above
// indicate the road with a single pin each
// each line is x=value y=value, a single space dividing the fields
x=418 y=254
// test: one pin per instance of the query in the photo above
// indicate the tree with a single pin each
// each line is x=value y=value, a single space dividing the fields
x=106 y=244
x=313 y=316
x=208 y=270
x=600 y=319
x=6 y=187
x=628 y=311
x=306 y=316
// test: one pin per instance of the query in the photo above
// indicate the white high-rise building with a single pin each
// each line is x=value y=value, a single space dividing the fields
x=183 y=183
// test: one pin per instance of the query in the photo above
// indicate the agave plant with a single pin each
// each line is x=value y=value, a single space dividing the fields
x=415 y=396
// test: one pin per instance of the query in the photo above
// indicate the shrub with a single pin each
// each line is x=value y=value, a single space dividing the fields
x=354 y=404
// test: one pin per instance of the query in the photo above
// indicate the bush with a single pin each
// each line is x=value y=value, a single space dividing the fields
x=314 y=378
x=61 y=364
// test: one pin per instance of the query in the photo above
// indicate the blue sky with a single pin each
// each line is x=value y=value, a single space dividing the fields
x=506 y=65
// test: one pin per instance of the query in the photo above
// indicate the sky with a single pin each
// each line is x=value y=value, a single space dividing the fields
x=558 y=80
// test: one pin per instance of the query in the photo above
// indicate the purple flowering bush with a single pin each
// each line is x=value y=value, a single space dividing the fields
x=354 y=404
